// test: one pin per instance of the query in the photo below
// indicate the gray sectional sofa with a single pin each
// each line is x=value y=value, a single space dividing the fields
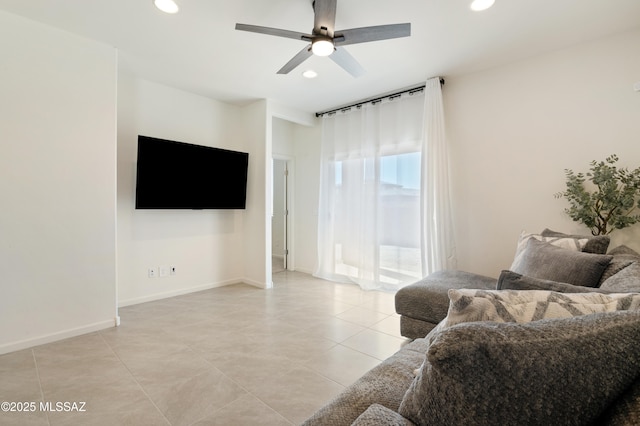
x=554 y=340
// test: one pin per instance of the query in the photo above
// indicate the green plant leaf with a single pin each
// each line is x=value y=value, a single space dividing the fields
x=613 y=201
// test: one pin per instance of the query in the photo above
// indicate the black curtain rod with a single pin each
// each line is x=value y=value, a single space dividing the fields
x=375 y=100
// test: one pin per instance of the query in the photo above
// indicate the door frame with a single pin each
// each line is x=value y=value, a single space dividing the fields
x=289 y=197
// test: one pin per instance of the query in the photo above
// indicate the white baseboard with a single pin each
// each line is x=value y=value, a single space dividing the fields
x=90 y=328
x=60 y=335
x=257 y=283
x=179 y=292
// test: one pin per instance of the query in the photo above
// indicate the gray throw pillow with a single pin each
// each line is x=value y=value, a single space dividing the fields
x=547 y=262
x=623 y=250
x=623 y=256
x=573 y=244
x=626 y=280
x=597 y=244
x=560 y=371
x=509 y=280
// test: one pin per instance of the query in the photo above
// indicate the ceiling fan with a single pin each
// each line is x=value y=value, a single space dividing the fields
x=325 y=41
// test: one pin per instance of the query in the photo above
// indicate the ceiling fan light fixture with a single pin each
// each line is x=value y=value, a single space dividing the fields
x=322 y=47
x=167 y=6
x=479 y=5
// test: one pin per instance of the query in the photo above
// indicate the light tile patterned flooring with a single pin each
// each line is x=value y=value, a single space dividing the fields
x=235 y=355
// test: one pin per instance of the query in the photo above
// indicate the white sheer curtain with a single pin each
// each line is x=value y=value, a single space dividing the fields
x=438 y=239
x=379 y=212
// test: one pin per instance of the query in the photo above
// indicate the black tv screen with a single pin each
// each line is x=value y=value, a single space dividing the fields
x=178 y=175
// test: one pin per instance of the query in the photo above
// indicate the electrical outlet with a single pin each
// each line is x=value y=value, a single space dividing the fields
x=153 y=272
x=164 y=271
x=173 y=270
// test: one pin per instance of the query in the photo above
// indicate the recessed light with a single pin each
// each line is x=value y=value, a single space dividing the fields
x=167 y=6
x=310 y=74
x=479 y=5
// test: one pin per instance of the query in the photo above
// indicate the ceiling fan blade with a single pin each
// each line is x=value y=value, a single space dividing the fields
x=325 y=17
x=347 y=62
x=302 y=56
x=274 y=32
x=366 y=34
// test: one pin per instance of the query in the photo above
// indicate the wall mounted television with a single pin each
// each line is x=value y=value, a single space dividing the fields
x=178 y=175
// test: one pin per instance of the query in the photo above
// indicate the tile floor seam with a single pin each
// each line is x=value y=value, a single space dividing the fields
x=282 y=415
x=295 y=364
x=319 y=373
x=205 y=416
x=35 y=362
x=248 y=392
x=361 y=352
x=272 y=409
x=133 y=377
x=264 y=403
x=365 y=353
x=360 y=324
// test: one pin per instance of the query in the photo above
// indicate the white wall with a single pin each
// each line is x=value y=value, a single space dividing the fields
x=284 y=143
x=256 y=132
x=205 y=246
x=513 y=131
x=58 y=186
x=307 y=185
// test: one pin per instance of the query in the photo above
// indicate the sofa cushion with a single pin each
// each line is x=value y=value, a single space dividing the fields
x=556 y=371
x=526 y=306
x=379 y=415
x=545 y=261
x=597 y=244
x=509 y=280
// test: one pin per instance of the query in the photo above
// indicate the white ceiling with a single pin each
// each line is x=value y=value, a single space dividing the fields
x=198 y=49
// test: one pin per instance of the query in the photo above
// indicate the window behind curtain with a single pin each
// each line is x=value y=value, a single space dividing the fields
x=395 y=180
x=369 y=221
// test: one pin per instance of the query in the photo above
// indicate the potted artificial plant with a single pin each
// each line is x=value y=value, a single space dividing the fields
x=611 y=200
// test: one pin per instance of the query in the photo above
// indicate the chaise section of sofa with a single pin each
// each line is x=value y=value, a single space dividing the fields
x=547 y=261
x=424 y=304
